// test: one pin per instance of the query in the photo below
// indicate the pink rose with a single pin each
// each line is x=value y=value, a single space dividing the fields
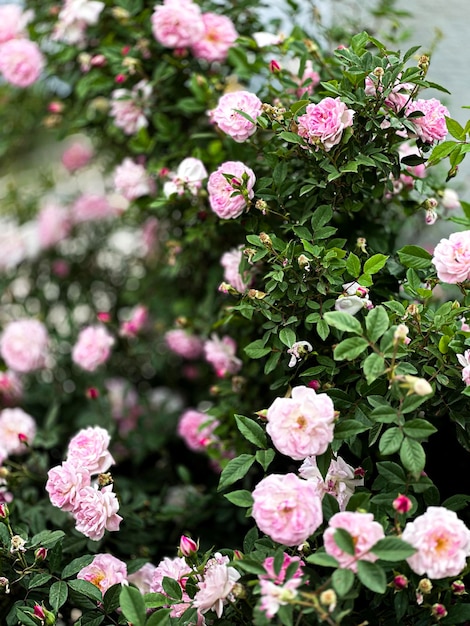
x=323 y=124
x=274 y=596
x=189 y=176
x=232 y=123
x=64 y=484
x=89 y=449
x=431 y=126
x=74 y=18
x=464 y=360
x=13 y=22
x=138 y=320
x=129 y=107
x=24 y=345
x=176 y=569
x=183 y=343
x=230 y=188
x=54 y=225
x=91 y=207
x=220 y=353
x=415 y=171
x=452 y=258
x=16 y=427
x=96 y=511
x=340 y=480
x=132 y=180
x=197 y=429
x=123 y=403
x=230 y=261
x=21 y=62
x=143 y=578
x=219 y=36
x=77 y=154
x=216 y=586
x=280 y=577
x=177 y=23
x=302 y=425
x=308 y=81
x=11 y=387
x=104 y=571
x=365 y=532
x=93 y=348
x=397 y=97
x=442 y=542
x=287 y=508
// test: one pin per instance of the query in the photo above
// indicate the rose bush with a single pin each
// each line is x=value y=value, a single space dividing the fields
x=227 y=386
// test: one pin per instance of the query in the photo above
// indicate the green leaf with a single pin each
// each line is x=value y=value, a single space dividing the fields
x=291 y=137
x=377 y=323
x=458 y=614
x=265 y=457
x=392 y=549
x=455 y=129
x=111 y=597
x=412 y=456
x=353 y=265
x=86 y=588
x=372 y=576
x=349 y=349
x=76 y=565
x=58 y=594
x=235 y=469
x=287 y=336
x=155 y=600
x=441 y=151
x=159 y=618
x=172 y=588
x=47 y=538
x=323 y=559
x=375 y=263
x=457 y=502
x=415 y=257
x=321 y=216
x=323 y=329
x=343 y=580
x=256 y=349
x=373 y=366
x=391 y=441
x=343 y=321
x=25 y=617
x=133 y=605
x=348 y=428
x=392 y=472
x=419 y=428
x=344 y=541
x=38 y=580
x=240 y=498
x=252 y=431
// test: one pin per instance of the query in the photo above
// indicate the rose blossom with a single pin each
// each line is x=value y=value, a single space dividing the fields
x=16 y=426
x=452 y=258
x=91 y=207
x=64 y=484
x=274 y=596
x=309 y=75
x=21 y=62
x=77 y=154
x=54 y=225
x=416 y=171
x=216 y=587
x=302 y=425
x=104 y=571
x=89 y=449
x=132 y=180
x=340 y=480
x=129 y=107
x=323 y=124
x=189 y=176
x=464 y=360
x=177 y=23
x=13 y=22
x=123 y=404
x=74 y=18
x=365 y=532
x=432 y=125
x=143 y=578
x=184 y=344
x=450 y=199
x=219 y=36
x=93 y=348
x=11 y=387
x=279 y=578
x=176 y=569
x=397 y=97
x=220 y=353
x=287 y=508
x=230 y=261
x=226 y=197
x=138 y=320
x=197 y=429
x=96 y=512
x=442 y=542
x=232 y=123
x=24 y=345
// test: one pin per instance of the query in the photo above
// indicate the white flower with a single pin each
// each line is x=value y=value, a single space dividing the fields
x=349 y=304
x=299 y=350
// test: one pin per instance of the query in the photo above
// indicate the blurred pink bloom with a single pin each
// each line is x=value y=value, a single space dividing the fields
x=24 y=345
x=54 y=225
x=274 y=596
x=177 y=23
x=197 y=429
x=138 y=320
x=452 y=258
x=230 y=178
x=323 y=124
x=96 y=511
x=188 y=176
x=219 y=36
x=74 y=18
x=89 y=449
x=124 y=404
x=464 y=360
x=280 y=577
x=415 y=171
x=220 y=353
x=216 y=586
x=302 y=425
x=442 y=542
x=184 y=344
x=104 y=571
x=313 y=78
x=132 y=180
x=450 y=199
x=365 y=532
x=91 y=207
x=232 y=123
x=176 y=569
x=340 y=480
x=129 y=107
x=21 y=62
x=287 y=508
x=61 y=268
x=143 y=578
x=150 y=235
x=64 y=484
x=13 y=22
x=77 y=154
x=16 y=427
x=431 y=126
x=11 y=387
x=230 y=261
x=93 y=347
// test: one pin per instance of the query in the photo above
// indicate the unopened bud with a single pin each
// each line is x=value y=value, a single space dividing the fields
x=401 y=334
x=425 y=586
x=40 y=554
x=266 y=240
x=431 y=217
x=400 y=582
x=314 y=384
x=188 y=547
x=92 y=393
x=402 y=504
x=359 y=472
x=361 y=243
x=438 y=611
x=4 y=512
x=39 y=612
x=274 y=66
x=379 y=72
x=328 y=598
x=458 y=588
